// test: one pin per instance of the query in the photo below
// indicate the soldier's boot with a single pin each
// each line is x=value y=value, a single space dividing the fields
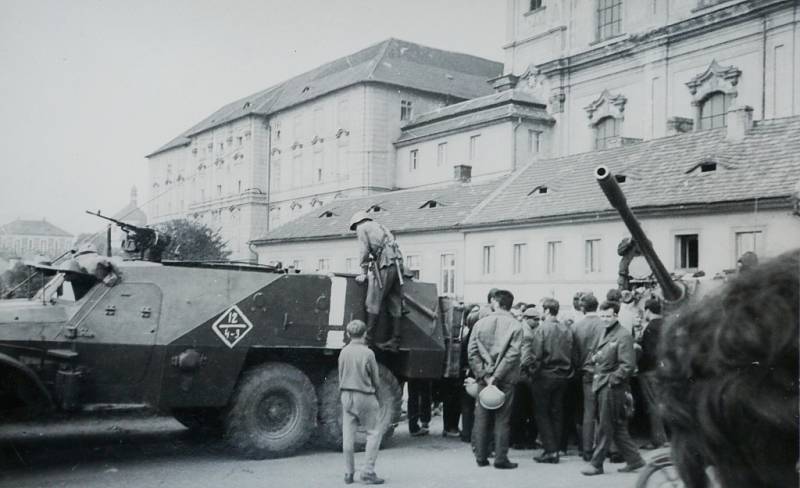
x=372 y=323
x=393 y=344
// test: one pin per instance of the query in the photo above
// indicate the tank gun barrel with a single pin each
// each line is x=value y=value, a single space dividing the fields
x=608 y=183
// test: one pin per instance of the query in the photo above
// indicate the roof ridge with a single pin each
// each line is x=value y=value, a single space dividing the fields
x=379 y=58
x=512 y=177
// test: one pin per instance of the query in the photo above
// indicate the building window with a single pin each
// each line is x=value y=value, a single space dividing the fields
x=609 y=18
x=276 y=130
x=520 y=256
x=219 y=190
x=554 y=257
x=343 y=114
x=534 y=141
x=592 y=256
x=750 y=241
x=323 y=264
x=488 y=260
x=473 y=147
x=606 y=129
x=412 y=159
x=413 y=265
x=318 y=167
x=687 y=252
x=713 y=111
x=351 y=265
x=297 y=170
x=441 y=154
x=405 y=110
x=447 y=284
x=298 y=128
x=297 y=264
x=535 y=4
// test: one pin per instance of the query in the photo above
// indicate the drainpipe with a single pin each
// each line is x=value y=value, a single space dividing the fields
x=269 y=167
x=514 y=143
x=764 y=68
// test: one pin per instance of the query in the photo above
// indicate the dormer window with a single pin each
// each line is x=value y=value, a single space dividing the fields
x=539 y=190
x=326 y=214
x=246 y=106
x=431 y=204
x=708 y=167
x=620 y=178
x=305 y=90
x=375 y=208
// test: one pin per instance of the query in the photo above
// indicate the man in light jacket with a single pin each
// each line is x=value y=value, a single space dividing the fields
x=494 y=356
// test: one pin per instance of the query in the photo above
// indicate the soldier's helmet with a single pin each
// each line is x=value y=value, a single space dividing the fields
x=491 y=398
x=357 y=218
x=87 y=248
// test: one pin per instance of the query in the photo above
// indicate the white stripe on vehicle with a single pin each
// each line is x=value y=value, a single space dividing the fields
x=335 y=339
x=338 y=292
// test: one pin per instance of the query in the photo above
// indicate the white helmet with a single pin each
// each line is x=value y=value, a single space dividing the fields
x=357 y=218
x=492 y=398
x=87 y=248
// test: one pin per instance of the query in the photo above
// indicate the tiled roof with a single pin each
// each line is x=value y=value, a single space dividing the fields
x=400 y=211
x=493 y=99
x=472 y=113
x=33 y=228
x=392 y=61
x=765 y=164
x=659 y=173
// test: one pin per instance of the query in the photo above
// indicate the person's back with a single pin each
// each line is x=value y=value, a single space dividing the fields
x=494 y=332
x=557 y=348
x=586 y=332
x=355 y=368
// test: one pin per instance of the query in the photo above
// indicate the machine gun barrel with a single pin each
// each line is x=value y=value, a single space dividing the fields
x=672 y=292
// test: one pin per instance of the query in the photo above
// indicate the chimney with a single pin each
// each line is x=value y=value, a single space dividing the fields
x=740 y=122
x=679 y=125
x=505 y=82
x=462 y=173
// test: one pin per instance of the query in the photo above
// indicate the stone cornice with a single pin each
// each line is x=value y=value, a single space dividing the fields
x=635 y=42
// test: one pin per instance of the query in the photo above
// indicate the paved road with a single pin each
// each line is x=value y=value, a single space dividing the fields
x=152 y=452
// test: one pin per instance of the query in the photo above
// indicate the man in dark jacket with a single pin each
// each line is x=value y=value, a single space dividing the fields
x=586 y=333
x=648 y=363
x=494 y=357
x=614 y=362
x=549 y=365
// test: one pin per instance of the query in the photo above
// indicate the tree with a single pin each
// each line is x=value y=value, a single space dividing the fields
x=193 y=241
x=17 y=275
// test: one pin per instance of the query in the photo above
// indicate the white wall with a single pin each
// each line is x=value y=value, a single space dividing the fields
x=781 y=232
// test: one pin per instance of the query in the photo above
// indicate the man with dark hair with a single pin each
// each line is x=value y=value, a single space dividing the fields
x=586 y=333
x=729 y=381
x=549 y=365
x=648 y=364
x=523 y=424
x=614 y=361
x=358 y=382
x=494 y=356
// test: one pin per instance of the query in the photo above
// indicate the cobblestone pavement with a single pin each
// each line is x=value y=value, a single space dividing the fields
x=152 y=452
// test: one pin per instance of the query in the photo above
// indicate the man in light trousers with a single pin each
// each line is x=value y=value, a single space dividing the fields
x=358 y=383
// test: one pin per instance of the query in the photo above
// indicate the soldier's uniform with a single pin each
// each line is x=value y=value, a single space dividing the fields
x=382 y=262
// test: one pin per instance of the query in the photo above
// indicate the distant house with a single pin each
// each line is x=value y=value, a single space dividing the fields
x=25 y=239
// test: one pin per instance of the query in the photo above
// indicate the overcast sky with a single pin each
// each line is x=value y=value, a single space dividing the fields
x=88 y=87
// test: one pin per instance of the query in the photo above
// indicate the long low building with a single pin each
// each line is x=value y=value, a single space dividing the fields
x=704 y=198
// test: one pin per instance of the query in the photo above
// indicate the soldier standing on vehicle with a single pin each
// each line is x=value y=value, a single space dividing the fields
x=380 y=255
x=358 y=382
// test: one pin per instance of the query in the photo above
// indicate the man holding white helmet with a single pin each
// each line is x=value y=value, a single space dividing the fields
x=494 y=356
x=378 y=248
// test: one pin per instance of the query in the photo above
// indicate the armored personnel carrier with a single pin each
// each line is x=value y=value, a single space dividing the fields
x=246 y=351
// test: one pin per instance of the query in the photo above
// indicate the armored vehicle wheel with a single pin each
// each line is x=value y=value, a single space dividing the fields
x=390 y=397
x=273 y=411
x=207 y=421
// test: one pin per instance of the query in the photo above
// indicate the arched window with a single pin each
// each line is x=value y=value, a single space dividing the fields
x=713 y=110
x=605 y=129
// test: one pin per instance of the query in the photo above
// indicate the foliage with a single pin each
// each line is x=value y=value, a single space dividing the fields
x=18 y=274
x=193 y=241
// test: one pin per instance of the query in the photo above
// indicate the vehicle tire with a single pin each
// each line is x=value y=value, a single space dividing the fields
x=273 y=412
x=206 y=421
x=390 y=397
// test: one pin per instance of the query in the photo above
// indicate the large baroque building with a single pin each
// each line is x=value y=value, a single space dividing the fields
x=326 y=134
x=694 y=103
x=617 y=71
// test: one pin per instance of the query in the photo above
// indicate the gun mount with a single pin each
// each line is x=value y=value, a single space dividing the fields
x=148 y=243
x=672 y=291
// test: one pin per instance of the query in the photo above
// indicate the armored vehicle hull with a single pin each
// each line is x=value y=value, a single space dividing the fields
x=244 y=351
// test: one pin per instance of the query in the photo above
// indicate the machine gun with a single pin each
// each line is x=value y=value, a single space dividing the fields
x=148 y=244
